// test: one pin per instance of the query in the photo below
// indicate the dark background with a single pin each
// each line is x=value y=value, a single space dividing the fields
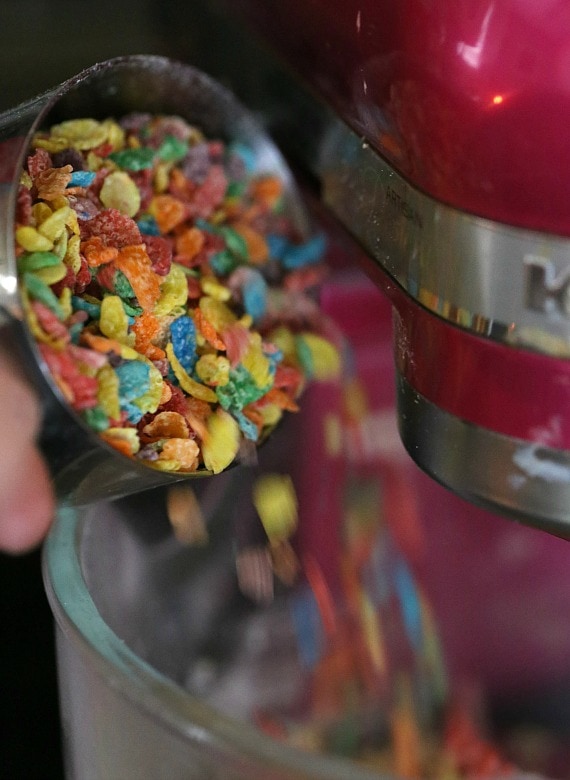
x=41 y=44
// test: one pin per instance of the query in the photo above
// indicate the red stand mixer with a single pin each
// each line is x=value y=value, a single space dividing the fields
x=436 y=136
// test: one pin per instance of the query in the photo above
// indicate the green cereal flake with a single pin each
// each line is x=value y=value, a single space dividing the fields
x=172 y=149
x=40 y=291
x=33 y=261
x=134 y=159
x=96 y=419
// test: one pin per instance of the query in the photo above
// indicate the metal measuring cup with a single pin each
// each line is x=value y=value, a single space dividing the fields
x=84 y=468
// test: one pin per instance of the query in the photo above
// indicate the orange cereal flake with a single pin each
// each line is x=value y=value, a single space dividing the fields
x=168 y=212
x=135 y=263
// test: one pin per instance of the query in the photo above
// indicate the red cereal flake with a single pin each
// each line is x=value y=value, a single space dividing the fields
x=113 y=228
x=104 y=149
x=106 y=276
x=236 y=339
x=83 y=388
x=39 y=161
x=210 y=193
x=83 y=277
x=50 y=323
x=143 y=180
x=159 y=250
x=23 y=206
x=177 y=402
x=194 y=288
x=288 y=377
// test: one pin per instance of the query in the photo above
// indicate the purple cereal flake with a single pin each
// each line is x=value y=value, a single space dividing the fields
x=196 y=163
x=71 y=157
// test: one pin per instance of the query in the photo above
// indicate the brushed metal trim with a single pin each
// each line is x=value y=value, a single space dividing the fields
x=519 y=479
x=506 y=283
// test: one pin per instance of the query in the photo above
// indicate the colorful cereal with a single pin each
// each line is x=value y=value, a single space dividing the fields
x=154 y=271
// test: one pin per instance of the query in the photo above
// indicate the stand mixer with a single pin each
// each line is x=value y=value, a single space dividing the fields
x=435 y=136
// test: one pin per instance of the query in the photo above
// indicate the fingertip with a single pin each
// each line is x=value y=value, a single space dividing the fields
x=27 y=507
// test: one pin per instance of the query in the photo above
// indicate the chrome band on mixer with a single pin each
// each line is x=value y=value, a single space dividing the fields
x=502 y=282
x=526 y=480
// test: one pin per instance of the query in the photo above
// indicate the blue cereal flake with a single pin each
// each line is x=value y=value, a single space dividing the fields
x=254 y=294
x=183 y=335
x=92 y=309
x=134 y=414
x=148 y=226
x=299 y=255
x=277 y=245
x=134 y=380
x=409 y=603
x=247 y=427
x=308 y=628
x=81 y=179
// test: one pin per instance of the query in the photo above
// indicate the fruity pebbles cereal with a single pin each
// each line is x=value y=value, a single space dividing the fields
x=166 y=289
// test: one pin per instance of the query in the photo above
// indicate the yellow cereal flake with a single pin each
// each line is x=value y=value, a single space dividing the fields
x=325 y=358
x=72 y=254
x=193 y=388
x=108 y=392
x=221 y=444
x=149 y=401
x=82 y=134
x=271 y=414
x=275 y=500
x=161 y=178
x=114 y=322
x=32 y=241
x=52 y=274
x=60 y=245
x=55 y=224
x=256 y=362
x=115 y=135
x=120 y=192
x=284 y=340
x=211 y=286
x=217 y=313
x=40 y=212
x=173 y=291
x=65 y=302
x=213 y=370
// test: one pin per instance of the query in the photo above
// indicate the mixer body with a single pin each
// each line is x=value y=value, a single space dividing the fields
x=436 y=134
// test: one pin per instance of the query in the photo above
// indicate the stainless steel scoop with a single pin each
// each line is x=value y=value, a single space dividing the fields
x=84 y=468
